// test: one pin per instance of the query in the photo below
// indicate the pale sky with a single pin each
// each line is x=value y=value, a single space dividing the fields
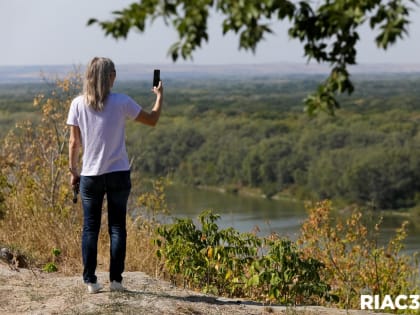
x=51 y=32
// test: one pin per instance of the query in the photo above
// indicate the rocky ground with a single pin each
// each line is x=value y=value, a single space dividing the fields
x=24 y=291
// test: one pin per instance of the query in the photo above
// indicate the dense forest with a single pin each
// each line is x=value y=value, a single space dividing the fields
x=253 y=133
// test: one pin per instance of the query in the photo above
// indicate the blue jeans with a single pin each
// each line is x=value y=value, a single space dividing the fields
x=116 y=186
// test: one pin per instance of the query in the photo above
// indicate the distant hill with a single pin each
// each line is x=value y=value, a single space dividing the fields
x=34 y=73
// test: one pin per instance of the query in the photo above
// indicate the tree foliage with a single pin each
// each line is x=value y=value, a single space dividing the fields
x=249 y=133
x=364 y=155
x=328 y=30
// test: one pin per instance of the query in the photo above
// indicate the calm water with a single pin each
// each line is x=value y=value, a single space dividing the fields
x=246 y=213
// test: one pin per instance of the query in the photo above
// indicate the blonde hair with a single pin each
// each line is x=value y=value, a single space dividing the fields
x=97 y=84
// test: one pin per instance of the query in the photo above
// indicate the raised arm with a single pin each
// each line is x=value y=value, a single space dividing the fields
x=151 y=118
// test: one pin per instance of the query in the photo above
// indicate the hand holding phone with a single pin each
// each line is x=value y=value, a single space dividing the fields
x=156 y=77
x=76 y=191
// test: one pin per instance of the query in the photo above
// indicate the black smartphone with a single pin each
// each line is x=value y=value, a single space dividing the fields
x=76 y=191
x=156 y=77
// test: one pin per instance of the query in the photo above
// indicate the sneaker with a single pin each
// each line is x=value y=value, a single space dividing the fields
x=94 y=287
x=116 y=286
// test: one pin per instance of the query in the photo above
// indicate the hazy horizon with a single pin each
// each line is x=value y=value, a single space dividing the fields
x=142 y=71
x=49 y=32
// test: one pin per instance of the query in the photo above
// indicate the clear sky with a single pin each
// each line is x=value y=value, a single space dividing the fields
x=48 y=32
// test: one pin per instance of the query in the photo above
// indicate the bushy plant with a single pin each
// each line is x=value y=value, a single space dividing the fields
x=52 y=266
x=208 y=258
x=283 y=275
x=38 y=214
x=355 y=263
x=224 y=261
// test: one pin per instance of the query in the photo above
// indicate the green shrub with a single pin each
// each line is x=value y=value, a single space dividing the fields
x=354 y=261
x=226 y=262
x=282 y=275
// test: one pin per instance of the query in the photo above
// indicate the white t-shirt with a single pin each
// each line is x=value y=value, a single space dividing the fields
x=103 y=133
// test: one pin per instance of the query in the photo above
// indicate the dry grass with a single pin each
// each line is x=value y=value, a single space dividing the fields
x=35 y=236
x=141 y=251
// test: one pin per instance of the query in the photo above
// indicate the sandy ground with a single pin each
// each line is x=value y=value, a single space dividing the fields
x=26 y=291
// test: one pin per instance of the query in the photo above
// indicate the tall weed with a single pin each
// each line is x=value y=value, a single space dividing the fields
x=355 y=263
x=38 y=215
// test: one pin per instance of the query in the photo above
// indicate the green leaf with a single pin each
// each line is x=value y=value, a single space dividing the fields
x=91 y=21
x=328 y=30
x=254 y=281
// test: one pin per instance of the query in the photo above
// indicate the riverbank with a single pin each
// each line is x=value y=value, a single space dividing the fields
x=410 y=214
x=24 y=291
x=250 y=192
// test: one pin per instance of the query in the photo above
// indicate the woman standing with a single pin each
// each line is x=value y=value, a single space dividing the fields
x=97 y=125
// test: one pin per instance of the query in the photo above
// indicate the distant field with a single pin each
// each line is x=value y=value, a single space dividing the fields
x=24 y=74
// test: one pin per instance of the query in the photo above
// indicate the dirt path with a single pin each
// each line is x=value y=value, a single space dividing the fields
x=33 y=292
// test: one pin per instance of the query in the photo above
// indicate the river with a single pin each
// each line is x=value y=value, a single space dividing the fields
x=246 y=213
